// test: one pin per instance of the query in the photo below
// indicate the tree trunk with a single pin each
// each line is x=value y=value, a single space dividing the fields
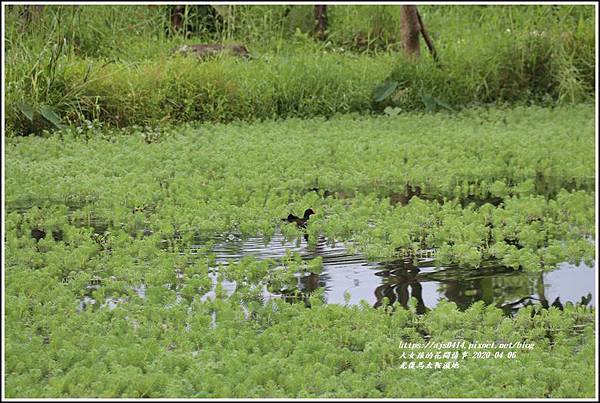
x=410 y=30
x=320 y=21
x=177 y=18
x=32 y=13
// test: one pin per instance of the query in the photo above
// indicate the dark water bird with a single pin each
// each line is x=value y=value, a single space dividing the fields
x=300 y=222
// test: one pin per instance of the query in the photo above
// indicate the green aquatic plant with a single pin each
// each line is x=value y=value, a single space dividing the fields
x=519 y=189
x=131 y=300
x=218 y=351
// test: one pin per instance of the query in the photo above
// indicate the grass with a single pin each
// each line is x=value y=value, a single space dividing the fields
x=94 y=63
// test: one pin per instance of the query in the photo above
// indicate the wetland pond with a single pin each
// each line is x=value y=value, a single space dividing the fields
x=349 y=278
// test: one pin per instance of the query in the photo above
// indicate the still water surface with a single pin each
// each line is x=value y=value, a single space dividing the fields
x=350 y=275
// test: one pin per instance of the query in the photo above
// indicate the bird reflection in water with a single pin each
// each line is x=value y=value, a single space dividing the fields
x=309 y=282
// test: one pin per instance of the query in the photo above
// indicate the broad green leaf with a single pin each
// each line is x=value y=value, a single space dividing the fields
x=391 y=111
x=444 y=104
x=50 y=115
x=429 y=102
x=26 y=110
x=384 y=90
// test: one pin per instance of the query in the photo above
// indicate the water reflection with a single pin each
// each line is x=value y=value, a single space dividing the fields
x=401 y=286
x=349 y=278
x=500 y=286
x=350 y=275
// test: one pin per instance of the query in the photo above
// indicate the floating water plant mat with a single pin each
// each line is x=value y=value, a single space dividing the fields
x=134 y=265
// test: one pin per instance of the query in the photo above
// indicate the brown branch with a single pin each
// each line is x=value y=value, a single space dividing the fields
x=428 y=40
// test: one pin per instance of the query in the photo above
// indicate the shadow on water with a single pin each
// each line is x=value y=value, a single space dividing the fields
x=350 y=278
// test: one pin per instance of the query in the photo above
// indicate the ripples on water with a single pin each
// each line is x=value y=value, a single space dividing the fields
x=351 y=275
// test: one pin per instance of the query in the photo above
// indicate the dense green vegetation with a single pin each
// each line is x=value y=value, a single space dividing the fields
x=523 y=175
x=282 y=350
x=93 y=62
x=141 y=161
